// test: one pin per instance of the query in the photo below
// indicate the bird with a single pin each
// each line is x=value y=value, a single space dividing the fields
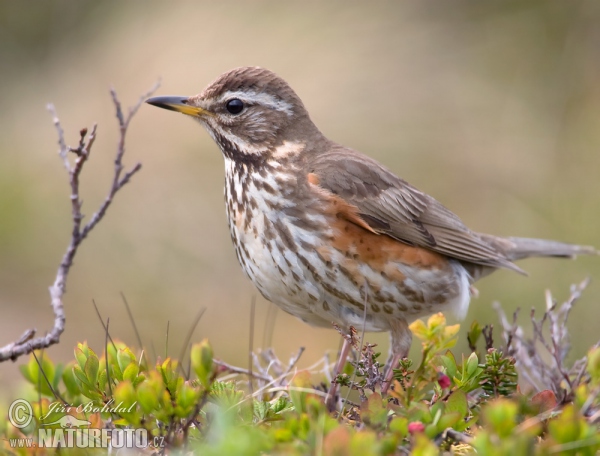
x=330 y=235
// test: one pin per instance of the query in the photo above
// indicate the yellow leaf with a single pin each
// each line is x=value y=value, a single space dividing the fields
x=436 y=320
x=418 y=329
x=451 y=331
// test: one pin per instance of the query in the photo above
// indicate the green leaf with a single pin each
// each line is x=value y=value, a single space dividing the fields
x=474 y=334
x=68 y=378
x=80 y=376
x=186 y=399
x=567 y=427
x=448 y=419
x=374 y=411
x=399 y=426
x=125 y=393
x=139 y=379
x=449 y=363
x=124 y=358
x=457 y=402
x=472 y=365
x=81 y=354
x=131 y=372
x=116 y=372
x=29 y=370
x=49 y=371
x=501 y=415
x=168 y=370
x=147 y=397
x=91 y=368
x=261 y=410
x=58 y=371
x=424 y=447
x=202 y=362
x=102 y=380
x=593 y=364
x=282 y=404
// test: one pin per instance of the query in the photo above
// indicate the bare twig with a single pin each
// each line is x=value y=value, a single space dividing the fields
x=361 y=354
x=27 y=343
x=460 y=437
x=294 y=360
x=135 y=329
x=241 y=370
x=457 y=436
x=269 y=325
x=104 y=325
x=186 y=342
x=106 y=337
x=251 y=341
x=267 y=369
x=488 y=335
x=542 y=357
x=48 y=383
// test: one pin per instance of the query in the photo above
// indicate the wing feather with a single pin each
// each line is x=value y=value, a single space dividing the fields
x=391 y=206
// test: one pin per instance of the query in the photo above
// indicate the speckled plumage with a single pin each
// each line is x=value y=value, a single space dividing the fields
x=323 y=231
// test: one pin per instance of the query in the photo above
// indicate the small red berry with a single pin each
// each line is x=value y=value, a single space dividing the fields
x=416 y=427
x=443 y=380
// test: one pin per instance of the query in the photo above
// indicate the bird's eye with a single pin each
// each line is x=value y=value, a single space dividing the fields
x=235 y=106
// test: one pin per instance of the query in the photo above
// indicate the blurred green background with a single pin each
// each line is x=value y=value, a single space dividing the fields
x=491 y=107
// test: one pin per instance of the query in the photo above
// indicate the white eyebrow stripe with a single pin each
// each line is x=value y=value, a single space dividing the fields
x=261 y=98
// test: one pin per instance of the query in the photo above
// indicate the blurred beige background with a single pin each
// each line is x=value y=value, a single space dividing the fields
x=493 y=108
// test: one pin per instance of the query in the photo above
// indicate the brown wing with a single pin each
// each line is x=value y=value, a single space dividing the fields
x=391 y=206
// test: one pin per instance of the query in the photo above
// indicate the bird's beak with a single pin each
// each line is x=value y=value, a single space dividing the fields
x=179 y=104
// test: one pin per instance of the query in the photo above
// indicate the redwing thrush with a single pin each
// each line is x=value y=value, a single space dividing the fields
x=323 y=230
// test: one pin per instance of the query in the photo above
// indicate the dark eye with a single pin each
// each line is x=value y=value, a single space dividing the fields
x=235 y=106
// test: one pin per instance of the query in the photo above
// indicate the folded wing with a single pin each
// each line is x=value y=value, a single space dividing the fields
x=392 y=207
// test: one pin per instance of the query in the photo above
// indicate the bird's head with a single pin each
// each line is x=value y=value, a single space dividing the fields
x=247 y=111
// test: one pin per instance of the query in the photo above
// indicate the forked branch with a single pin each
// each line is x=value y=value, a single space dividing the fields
x=542 y=357
x=28 y=342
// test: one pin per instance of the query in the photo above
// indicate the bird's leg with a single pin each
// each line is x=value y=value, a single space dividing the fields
x=388 y=361
x=400 y=340
x=389 y=373
x=330 y=400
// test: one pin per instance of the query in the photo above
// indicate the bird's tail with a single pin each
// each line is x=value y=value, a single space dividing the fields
x=516 y=248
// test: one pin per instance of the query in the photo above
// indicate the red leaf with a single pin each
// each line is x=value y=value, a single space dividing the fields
x=545 y=400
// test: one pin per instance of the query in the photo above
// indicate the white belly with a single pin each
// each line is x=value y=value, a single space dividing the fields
x=285 y=260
